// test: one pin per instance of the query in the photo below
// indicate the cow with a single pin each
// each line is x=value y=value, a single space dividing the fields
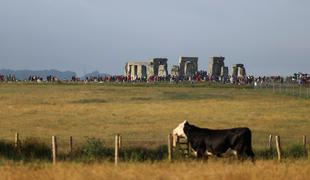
x=216 y=142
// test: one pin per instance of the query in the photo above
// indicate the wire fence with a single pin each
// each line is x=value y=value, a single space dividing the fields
x=289 y=89
x=65 y=143
x=94 y=151
x=77 y=142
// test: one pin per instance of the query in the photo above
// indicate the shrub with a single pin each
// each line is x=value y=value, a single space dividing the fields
x=94 y=149
x=295 y=151
x=143 y=154
x=265 y=153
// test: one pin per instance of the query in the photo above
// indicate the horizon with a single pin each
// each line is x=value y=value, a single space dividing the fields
x=169 y=69
x=269 y=38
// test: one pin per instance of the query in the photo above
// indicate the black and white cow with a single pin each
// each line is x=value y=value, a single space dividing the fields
x=216 y=142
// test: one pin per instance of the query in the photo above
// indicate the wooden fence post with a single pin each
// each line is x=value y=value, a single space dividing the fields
x=278 y=144
x=188 y=148
x=119 y=142
x=70 y=144
x=116 y=152
x=16 y=140
x=304 y=142
x=270 y=142
x=170 y=147
x=54 y=149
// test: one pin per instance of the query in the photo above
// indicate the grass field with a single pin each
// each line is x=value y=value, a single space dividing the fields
x=144 y=115
x=218 y=170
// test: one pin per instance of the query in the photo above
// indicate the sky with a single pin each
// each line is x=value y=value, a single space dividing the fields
x=270 y=37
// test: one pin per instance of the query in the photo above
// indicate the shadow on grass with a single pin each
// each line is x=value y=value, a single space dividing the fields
x=193 y=96
x=88 y=101
x=140 y=98
x=30 y=149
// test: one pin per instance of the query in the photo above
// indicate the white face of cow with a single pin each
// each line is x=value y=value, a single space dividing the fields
x=178 y=132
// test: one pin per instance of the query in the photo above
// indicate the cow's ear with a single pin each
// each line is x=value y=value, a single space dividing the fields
x=186 y=122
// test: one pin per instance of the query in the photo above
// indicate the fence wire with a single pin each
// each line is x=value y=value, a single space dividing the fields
x=145 y=142
x=289 y=89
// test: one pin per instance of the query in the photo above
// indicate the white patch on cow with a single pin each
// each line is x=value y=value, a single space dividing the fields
x=209 y=153
x=178 y=132
x=230 y=152
x=206 y=153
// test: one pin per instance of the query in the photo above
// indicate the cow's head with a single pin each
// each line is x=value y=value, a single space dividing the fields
x=179 y=132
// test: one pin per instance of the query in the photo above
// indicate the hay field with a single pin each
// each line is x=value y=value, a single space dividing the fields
x=298 y=170
x=145 y=113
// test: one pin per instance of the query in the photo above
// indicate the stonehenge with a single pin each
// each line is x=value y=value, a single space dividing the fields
x=186 y=69
x=144 y=70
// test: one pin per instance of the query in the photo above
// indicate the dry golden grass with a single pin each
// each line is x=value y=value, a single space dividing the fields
x=144 y=112
x=185 y=170
x=149 y=113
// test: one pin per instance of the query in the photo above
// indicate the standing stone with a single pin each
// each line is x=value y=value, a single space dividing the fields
x=238 y=71
x=234 y=71
x=162 y=71
x=188 y=66
x=216 y=67
x=224 y=71
x=150 y=71
x=175 y=71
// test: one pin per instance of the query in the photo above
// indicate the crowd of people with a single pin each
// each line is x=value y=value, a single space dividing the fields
x=301 y=78
x=9 y=77
x=200 y=76
x=35 y=78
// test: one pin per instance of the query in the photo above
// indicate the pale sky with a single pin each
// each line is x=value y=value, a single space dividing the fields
x=269 y=36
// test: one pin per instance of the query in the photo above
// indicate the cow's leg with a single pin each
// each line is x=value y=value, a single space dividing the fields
x=235 y=153
x=238 y=151
x=200 y=153
x=219 y=155
x=249 y=152
x=244 y=150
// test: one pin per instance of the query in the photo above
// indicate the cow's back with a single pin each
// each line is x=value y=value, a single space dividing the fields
x=223 y=139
